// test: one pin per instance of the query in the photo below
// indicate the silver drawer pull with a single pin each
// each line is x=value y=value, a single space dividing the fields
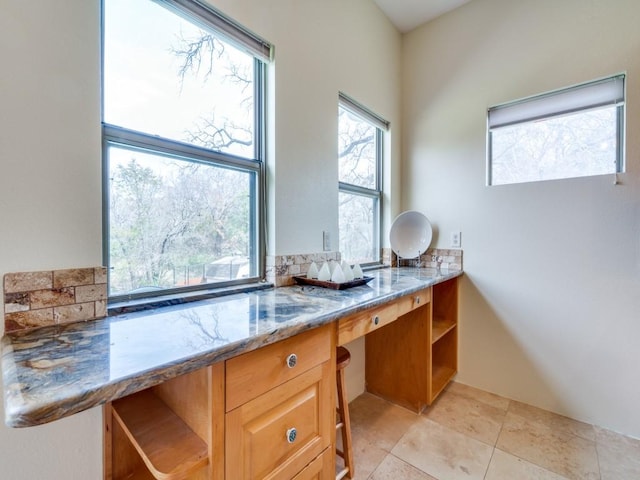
x=376 y=320
x=292 y=360
x=292 y=433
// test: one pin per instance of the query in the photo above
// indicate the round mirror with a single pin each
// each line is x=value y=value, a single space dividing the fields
x=410 y=234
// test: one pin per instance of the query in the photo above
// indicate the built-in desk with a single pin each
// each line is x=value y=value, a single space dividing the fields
x=411 y=344
x=182 y=383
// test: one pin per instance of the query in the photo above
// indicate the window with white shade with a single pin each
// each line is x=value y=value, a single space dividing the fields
x=360 y=137
x=573 y=132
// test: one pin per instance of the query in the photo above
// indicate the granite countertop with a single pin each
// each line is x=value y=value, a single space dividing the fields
x=54 y=372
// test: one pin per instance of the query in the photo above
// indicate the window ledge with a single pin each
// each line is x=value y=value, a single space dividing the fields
x=130 y=306
x=374 y=266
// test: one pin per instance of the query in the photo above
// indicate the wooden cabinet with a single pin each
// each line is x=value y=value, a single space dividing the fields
x=444 y=336
x=397 y=359
x=266 y=414
x=416 y=300
x=409 y=361
x=321 y=468
x=276 y=435
x=363 y=323
x=367 y=321
x=251 y=374
x=270 y=413
x=174 y=431
x=359 y=324
x=285 y=426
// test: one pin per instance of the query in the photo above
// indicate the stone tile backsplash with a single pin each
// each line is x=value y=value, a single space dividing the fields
x=38 y=299
x=450 y=259
x=282 y=268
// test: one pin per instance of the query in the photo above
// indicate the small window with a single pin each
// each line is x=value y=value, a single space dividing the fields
x=183 y=129
x=360 y=136
x=573 y=132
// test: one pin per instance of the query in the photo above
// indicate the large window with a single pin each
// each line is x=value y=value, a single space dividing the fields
x=360 y=134
x=183 y=128
x=574 y=132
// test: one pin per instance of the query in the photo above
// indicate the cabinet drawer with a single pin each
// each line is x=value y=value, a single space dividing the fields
x=413 y=301
x=253 y=373
x=278 y=434
x=359 y=324
x=322 y=468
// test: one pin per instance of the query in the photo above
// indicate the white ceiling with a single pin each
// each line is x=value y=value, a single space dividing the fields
x=408 y=14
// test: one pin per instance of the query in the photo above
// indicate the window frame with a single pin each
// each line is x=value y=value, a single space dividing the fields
x=572 y=100
x=381 y=125
x=113 y=135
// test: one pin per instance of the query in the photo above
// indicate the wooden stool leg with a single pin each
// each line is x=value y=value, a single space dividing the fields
x=343 y=408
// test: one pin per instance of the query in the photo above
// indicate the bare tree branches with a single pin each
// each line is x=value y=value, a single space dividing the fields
x=208 y=56
x=193 y=52
x=219 y=135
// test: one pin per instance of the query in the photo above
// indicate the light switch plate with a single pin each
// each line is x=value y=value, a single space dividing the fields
x=326 y=241
x=456 y=239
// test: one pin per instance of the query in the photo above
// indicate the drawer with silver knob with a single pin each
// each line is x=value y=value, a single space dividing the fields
x=251 y=374
x=359 y=324
x=414 y=300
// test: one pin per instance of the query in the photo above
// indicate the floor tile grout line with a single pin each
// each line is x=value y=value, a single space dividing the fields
x=598 y=458
x=449 y=427
x=551 y=428
x=388 y=452
x=554 y=414
x=486 y=470
x=495 y=443
x=543 y=467
x=599 y=446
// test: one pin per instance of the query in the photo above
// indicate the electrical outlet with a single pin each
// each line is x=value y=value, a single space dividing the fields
x=456 y=239
x=326 y=241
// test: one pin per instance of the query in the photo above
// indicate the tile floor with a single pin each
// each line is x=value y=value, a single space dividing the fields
x=471 y=434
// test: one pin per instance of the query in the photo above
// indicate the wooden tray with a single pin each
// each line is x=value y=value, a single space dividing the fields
x=303 y=280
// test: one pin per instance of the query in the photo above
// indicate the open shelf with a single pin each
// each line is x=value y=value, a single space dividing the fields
x=445 y=300
x=168 y=447
x=440 y=377
x=142 y=474
x=441 y=326
x=444 y=335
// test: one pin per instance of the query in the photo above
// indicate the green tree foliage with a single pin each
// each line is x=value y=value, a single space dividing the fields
x=175 y=219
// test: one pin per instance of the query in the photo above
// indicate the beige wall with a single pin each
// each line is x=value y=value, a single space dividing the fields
x=550 y=299
x=50 y=200
x=550 y=309
x=321 y=48
x=50 y=165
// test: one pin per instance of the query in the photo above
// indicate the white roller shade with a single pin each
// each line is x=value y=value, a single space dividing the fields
x=609 y=91
x=355 y=107
x=207 y=16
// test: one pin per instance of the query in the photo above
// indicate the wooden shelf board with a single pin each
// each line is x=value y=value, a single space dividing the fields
x=142 y=474
x=440 y=377
x=440 y=328
x=168 y=447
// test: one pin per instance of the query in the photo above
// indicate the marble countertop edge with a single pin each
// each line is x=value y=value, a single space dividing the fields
x=28 y=413
x=45 y=400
